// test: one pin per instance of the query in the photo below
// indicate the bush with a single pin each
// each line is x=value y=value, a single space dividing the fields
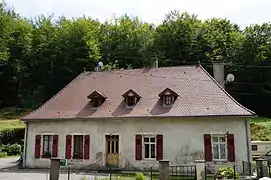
x=139 y=176
x=259 y=132
x=226 y=172
x=3 y=154
x=12 y=136
x=12 y=150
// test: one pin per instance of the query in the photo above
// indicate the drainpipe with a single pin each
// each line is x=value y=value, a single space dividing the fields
x=25 y=143
x=248 y=139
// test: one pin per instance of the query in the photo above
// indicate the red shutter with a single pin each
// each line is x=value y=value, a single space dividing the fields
x=68 y=146
x=208 y=147
x=231 y=149
x=55 y=146
x=37 y=146
x=86 y=147
x=138 y=148
x=159 y=147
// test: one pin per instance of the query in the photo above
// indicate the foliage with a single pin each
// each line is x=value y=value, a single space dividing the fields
x=12 y=136
x=226 y=172
x=11 y=150
x=3 y=154
x=39 y=56
x=140 y=176
x=260 y=129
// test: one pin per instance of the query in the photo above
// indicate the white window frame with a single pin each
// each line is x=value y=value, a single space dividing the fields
x=41 y=143
x=219 y=143
x=149 y=136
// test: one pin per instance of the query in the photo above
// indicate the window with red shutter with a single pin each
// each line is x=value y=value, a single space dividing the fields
x=159 y=147
x=86 y=147
x=208 y=147
x=68 y=146
x=37 y=146
x=231 y=148
x=55 y=146
x=138 y=147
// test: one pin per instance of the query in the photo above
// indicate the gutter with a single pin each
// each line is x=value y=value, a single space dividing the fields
x=25 y=143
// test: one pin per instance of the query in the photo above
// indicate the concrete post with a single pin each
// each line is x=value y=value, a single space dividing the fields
x=262 y=168
x=218 y=70
x=164 y=170
x=200 y=169
x=54 y=168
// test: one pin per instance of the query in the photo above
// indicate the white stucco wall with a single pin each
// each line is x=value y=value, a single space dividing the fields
x=182 y=138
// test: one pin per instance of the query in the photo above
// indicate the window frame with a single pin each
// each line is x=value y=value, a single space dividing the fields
x=133 y=99
x=219 y=143
x=149 y=143
x=72 y=152
x=254 y=149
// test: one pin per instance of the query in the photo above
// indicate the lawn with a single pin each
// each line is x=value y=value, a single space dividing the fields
x=9 y=117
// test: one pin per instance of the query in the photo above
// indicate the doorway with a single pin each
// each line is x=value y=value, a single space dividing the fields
x=112 y=150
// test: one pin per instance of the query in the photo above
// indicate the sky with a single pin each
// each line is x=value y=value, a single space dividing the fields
x=242 y=12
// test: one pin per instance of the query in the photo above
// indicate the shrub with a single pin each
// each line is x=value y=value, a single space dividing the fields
x=226 y=172
x=3 y=154
x=259 y=132
x=11 y=150
x=12 y=136
x=139 y=176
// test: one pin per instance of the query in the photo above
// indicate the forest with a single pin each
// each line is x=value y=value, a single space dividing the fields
x=39 y=56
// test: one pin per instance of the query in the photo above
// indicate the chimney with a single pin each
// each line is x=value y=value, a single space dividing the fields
x=97 y=68
x=155 y=63
x=218 y=70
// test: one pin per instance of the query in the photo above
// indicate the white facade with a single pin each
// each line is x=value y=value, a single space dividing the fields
x=182 y=138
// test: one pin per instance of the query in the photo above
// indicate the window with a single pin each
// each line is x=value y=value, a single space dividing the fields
x=130 y=101
x=149 y=147
x=168 y=100
x=47 y=146
x=254 y=147
x=131 y=98
x=219 y=147
x=95 y=102
x=78 y=146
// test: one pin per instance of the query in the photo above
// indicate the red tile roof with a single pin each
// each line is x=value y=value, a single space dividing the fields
x=199 y=95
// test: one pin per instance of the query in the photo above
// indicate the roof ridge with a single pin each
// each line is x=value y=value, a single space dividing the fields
x=213 y=79
x=115 y=70
x=52 y=98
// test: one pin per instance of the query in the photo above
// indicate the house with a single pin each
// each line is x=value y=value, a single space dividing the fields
x=134 y=118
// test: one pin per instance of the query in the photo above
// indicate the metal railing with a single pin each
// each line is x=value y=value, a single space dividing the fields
x=182 y=172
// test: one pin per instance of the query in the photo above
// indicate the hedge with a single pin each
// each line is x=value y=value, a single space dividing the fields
x=12 y=136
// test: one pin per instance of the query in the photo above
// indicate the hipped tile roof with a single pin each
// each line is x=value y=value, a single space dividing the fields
x=199 y=95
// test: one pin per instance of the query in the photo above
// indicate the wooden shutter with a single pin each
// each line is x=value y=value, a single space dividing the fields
x=138 y=148
x=37 y=146
x=86 y=146
x=208 y=147
x=159 y=147
x=55 y=146
x=231 y=148
x=68 y=146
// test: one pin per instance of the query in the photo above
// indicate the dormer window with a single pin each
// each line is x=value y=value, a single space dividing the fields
x=168 y=97
x=131 y=98
x=97 y=99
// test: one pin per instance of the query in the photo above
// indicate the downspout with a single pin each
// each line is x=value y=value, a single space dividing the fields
x=25 y=143
x=248 y=138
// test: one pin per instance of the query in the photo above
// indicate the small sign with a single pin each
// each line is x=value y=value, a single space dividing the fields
x=63 y=162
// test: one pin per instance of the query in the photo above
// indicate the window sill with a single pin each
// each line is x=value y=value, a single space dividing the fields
x=149 y=159
x=220 y=160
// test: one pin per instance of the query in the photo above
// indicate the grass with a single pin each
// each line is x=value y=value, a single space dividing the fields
x=9 y=117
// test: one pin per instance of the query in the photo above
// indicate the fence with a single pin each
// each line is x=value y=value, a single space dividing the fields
x=182 y=172
x=109 y=173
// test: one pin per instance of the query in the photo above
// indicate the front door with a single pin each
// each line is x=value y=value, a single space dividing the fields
x=112 y=150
